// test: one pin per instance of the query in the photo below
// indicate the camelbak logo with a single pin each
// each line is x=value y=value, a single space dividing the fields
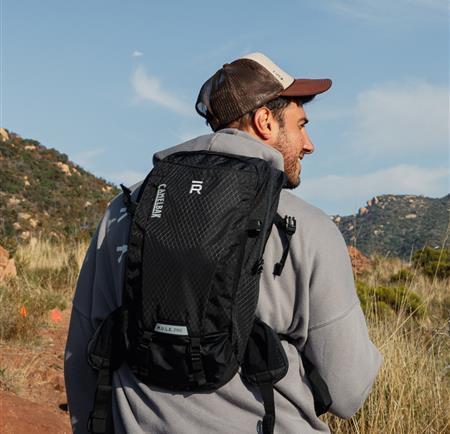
x=159 y=201
x=171 y=329
x=196 y=186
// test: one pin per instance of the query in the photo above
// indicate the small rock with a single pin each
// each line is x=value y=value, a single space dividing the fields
x=25 y=235
x=13 y=201
x=30 y=147
x=23 y=216
x=87 y=204
x=33 y=223
x=363 y=211
x=16 y=226
x=64 y=167
x=410 y=216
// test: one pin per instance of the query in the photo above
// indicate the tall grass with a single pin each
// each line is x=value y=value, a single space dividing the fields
x=46 y=277
x=412 y=391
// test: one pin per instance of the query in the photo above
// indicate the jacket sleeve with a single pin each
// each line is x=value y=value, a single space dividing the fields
x=80 y=378
x=98 y=293
x=338 y=342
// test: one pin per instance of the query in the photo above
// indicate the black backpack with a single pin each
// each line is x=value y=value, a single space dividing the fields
x=195 y=254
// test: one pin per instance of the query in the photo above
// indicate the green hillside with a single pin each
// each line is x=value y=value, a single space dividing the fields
x=396 y=225
x=42 y=192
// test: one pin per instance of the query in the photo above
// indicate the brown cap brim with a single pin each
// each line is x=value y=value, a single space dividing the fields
x=307 y=87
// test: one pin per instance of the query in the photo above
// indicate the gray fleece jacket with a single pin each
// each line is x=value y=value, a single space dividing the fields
x=314 y=302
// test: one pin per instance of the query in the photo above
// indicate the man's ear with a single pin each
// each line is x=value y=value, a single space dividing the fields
x=264 y=124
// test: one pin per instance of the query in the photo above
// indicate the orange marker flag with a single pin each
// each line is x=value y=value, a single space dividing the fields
x=55 y=315
x=23 y=311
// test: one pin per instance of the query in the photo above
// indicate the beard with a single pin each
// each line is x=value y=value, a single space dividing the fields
x=293 y=183
x=290 y=161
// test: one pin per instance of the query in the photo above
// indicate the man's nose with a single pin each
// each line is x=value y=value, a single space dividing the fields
x=308 y=146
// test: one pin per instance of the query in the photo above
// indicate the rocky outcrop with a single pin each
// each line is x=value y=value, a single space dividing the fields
x=372 y=202
x=396 y=225
x=7 y=265
x=4 y=135
x=359 y=261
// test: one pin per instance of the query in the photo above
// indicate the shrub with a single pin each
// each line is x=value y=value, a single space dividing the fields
x=402 y=276
x=433 y=262
x=386 y=300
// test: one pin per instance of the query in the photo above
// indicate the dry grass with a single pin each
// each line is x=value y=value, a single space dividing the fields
x=15 y=379
x=46 y=278
x=412 y=391
x=42 y=254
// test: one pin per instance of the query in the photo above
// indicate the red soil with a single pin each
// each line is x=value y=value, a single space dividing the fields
x=36 y=408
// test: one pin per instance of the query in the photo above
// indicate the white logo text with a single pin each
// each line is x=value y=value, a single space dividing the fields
x=159 y=201
x=196 y=186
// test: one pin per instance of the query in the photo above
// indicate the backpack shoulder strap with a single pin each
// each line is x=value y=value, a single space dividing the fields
x=128 y=201
x=106 y=353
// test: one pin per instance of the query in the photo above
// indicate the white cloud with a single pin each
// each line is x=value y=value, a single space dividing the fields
x=148 y=88
x=137 y=53
x=385 y=10
x=401 y=179
x=408 y=117
x=126 y=177
x=84 y=158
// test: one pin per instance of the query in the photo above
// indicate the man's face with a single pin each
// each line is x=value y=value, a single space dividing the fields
x=293 y=142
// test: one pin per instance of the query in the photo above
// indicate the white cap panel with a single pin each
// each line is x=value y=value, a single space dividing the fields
x=283 y=77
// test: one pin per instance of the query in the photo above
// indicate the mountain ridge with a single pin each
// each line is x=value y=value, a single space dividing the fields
x=43 y=193
x=397 y=225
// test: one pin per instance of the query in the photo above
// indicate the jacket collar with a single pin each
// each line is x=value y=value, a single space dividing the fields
x=231 y=141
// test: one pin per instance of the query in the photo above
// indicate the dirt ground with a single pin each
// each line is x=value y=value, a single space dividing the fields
x=39 y=404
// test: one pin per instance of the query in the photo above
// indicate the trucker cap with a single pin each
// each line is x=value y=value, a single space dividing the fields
x=246 y=84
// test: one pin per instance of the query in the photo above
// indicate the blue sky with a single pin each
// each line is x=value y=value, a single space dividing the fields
x=111 y=82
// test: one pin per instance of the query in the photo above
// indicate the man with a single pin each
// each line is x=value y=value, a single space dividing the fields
x=256 y=110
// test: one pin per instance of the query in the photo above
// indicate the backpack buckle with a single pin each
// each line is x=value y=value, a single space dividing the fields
x=290 y=225
x=198 y=372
